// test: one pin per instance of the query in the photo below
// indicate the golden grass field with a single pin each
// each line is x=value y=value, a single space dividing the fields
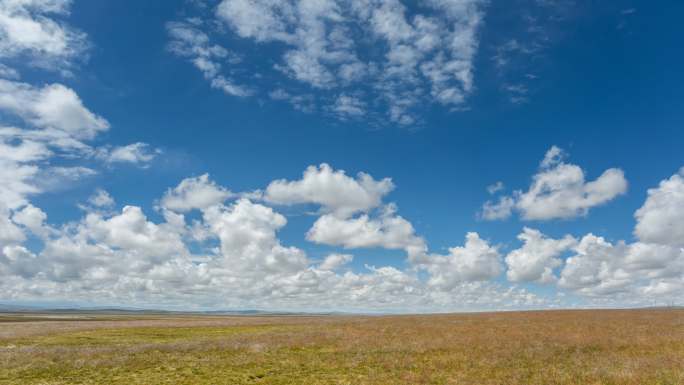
x=549 y=347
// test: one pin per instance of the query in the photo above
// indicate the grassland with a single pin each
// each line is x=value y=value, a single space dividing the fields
x=551 y=347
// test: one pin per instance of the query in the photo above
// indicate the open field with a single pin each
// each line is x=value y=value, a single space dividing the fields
x=551 y=347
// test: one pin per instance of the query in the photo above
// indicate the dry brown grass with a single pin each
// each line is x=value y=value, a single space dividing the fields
x=551 y=347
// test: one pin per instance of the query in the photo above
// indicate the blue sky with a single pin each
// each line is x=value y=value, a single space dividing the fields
x=444 y=98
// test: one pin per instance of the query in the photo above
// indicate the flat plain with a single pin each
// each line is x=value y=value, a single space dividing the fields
x=545 y=347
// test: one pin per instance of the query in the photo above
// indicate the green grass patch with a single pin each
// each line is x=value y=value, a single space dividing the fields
x=141 y=335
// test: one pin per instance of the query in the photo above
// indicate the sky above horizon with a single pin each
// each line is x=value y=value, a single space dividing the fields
x=341 y=155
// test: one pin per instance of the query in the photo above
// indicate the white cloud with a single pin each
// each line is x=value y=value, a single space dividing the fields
x=594 y=270
x=652 y=267
x=16 y=181
x=607 y=272
x=18 y=260
x=263 y=20
x=125 y=257
x=101 y=198
x=231 y=255
x=24 y=169
x=47 y=125
x=537 y=258
x=552 y=157
x=188 y=41
x=661 y=218
x=313 y=46
x=102 y=249
x=33 y=218
x=341 y=198
x=135 y=153
x=559 y=190
x=247 y=232
x=8 y=73
x=349 y=106
x=335 y=261
x=195 y=193
x=9 y=232
x=53 y=106
x=305 y=102
x=60 y=178
x=322 y=45
x=28 y=29
x=475 y=261
x=389 y=231
x=496 y=187
x=63 y=143
x=337 y=192
x=24 y=151
x=17 y=170
x=502 y=209
x=131 y=231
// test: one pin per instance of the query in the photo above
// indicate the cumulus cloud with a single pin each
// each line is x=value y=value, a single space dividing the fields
x=536 y=260
x=335 y=261
x=43 y=125
x=661 y=218
x=607 y=272
x=354 y=215
x=558 y=190
x=101 y=198
x=247 y=232
x=25 y=169
x=324 y=46
x=24 y=151
x=33 y=218
x=652 y=267
x=8 y=72
x=17 y=172
x=102 y=247
x=130 y=230
x=29 y=28
x=594 y=269
x=388 y=230
x=337 y=192
x=10 y=233
x=18 y=261
x=53 y=106
x=501 y=209
x=44 y=137
x=194 y=193
x=231 y=255
x=239 y=260
x=477 y=260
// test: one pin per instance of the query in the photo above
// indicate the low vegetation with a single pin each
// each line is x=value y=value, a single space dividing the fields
x=550 y=347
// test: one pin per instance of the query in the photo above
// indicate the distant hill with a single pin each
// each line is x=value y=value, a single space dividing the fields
x=7 y=308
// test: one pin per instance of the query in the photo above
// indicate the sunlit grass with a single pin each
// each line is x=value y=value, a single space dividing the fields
x=574 y=347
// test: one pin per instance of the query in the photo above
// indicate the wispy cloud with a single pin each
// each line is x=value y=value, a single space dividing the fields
x=352 y=55
x=517 y=51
